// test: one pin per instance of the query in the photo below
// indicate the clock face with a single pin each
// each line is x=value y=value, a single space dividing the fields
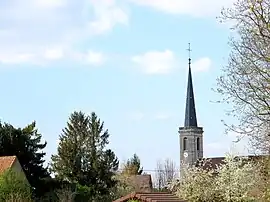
x=185 y=154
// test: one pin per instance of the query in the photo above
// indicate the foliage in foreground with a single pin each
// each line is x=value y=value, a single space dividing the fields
x=14 y=187
x=234 y=180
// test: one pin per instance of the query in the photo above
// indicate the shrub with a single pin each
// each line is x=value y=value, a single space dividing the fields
x=14 y=187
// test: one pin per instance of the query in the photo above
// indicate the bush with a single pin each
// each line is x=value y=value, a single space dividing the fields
x=234 y=180
x=14 y=187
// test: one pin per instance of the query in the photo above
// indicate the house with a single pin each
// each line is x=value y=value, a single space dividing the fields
x=150 y=197
x=11 y=162
x=144 y=191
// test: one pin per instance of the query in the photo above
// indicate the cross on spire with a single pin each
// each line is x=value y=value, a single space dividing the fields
x=189 y=53
x=190 y=115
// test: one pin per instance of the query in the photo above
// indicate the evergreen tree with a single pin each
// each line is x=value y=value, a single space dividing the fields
x=26 y=145
x=82 y=157
x=133 y=166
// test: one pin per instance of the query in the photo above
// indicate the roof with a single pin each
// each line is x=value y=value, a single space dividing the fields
x=6 y=162
x=141 y=183
x=190 y=114
x=212 y=163
x=151 y=197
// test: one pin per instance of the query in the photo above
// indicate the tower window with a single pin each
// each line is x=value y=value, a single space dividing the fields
x=198 y=143
x=185 y=143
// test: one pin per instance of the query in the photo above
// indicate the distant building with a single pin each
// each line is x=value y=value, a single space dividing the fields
x=191 y=136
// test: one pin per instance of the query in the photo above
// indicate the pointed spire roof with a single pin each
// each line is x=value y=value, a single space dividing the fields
x=190 y=115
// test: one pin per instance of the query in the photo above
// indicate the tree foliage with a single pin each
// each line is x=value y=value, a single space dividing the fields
x=133 y=166
x=82 y=157
x=123 y=186
x=25 y=143
x=262 y=191
x=245 y=82
x=14 y=185
x=234 y=180
x=237 y=178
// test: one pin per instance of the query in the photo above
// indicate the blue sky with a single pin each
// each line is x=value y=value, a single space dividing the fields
x=125 y=60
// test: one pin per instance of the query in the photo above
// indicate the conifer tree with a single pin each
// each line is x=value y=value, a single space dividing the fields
x=82 y=157
x=133 y=166
x=26 y=145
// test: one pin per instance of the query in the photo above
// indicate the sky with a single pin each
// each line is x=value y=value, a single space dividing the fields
x=125 y=60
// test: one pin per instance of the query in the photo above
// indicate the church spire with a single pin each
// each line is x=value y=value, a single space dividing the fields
x=190 y=115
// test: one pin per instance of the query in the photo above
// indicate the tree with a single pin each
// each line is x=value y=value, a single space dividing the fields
x=82 y=157
x=123 y=186
x=263 y=188
x=237 y=178
x=165 y=173
x=133 y=166
x=14 y=185
x=26 y=145
x=245 y=82
x=234 y=180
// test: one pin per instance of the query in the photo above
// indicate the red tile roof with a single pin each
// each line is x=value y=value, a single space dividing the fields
x=151 y=197
x=6 y=162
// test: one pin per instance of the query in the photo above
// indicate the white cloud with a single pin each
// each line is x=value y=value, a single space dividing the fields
x=16 y=58
x=95 y=58
x=107 y=15
x=46 y=29
x=54 y=53
x=195 y=8
x=201 y=65
x=156 y=62
x=90 y=57
x=164 y=62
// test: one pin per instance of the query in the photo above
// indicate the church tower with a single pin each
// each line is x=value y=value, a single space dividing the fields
x=191 y=136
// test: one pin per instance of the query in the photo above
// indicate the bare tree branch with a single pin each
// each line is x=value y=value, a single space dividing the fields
x=245 y=82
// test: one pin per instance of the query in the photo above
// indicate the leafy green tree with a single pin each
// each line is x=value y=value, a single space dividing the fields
x=133 y=166
x=14 y=185
x=26 y=144
x=82 y=157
